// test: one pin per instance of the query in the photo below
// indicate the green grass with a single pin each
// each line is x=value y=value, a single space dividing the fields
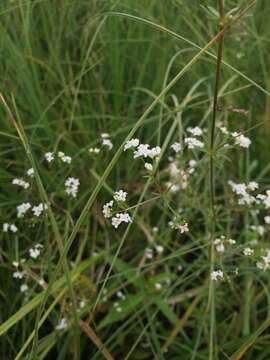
x=72 y=70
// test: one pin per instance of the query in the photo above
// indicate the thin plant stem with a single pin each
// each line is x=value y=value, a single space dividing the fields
x=211 y=299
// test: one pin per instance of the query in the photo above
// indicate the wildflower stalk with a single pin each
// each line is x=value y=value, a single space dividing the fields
x=211 y=298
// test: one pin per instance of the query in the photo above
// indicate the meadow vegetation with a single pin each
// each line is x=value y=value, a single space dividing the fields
x=135 y=179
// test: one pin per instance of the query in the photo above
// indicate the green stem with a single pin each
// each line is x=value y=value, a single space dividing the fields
x=211 y=299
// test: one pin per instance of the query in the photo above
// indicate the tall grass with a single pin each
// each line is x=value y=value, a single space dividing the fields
x=72 y=70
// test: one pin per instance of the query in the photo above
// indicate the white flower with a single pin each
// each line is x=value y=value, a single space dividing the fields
x=18 y=274
x=183 y=227
x=35 y=252
x=196 y=131
x=159 y=249
x=192 y=163
x=193 y=143
x=119 y=218
x=105 y=135
x=259 y=229
x=154 y=152
x=252 y=185
x=158 y=286
x=5 y=227
x=21 y=183
x=107 y=209
x=133 y=143
x=13 y=228
x=62 y=325
x=37 y=210
x=30 y=172
x=224 y=130
x=177 y=147
x=242 y=141
x=94 y=150
x=148 y=166
x=22 y=209
x=248 y=251
x=23 y=288
x=264 y=264
x=49 y=156
x=267 y=219
x=120 y=295
x=220 y=248
x=63 y=157
x=149 y=253
x=108 y=143
x=142 y=150
x=72 y=186
x=217 y=275
x=120 y=195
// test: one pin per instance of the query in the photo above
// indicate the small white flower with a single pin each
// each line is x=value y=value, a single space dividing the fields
x=252 y=185
x=224 y=130
x=20 y=182
x=120 y=195
x=133 y=143
x=63 y=157
x=148 y=166
x=142 y=150
x=49 y=156
x=105 y=135
x=193 y=143
x=267 y=219
x=177 y=147
x=242 y=141
x=183 y=227
x=94 y=150
x=23 y=288
x=5 y=227
x=158 y=286
x=119 y=218
x=38 y=210
x=30 y=172
x=13 y=228
x=217 y=275
x=149 y=253
x=154 y=152
x=72 y=186
x=196 y=131
x=107 y=209
x=18 y=274
x=62 y=325
x=159 y=249
x=192 y=163
x=248 y=251
x=36 y=251
x=22 y=209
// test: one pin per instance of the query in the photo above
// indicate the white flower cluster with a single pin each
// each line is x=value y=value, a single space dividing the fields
x=265 y=262
x=22 y=209
x=106 y=141
x=35 y=251
x=94 y=150
x=248 y=251
x=63 y=157
x=239 y=138
x=217 y=275
x=118 y=218
x=30 y=172
x=72 y=186
x=38 y=210
x=142 y=150
x=242 y=190
x=221 y=242
x=176 y=224
x=49 y=156
x=21 y=182
x=177 y=147
x=120 y=196
x=9 y=227
x=193 y=142
x=149 y=252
